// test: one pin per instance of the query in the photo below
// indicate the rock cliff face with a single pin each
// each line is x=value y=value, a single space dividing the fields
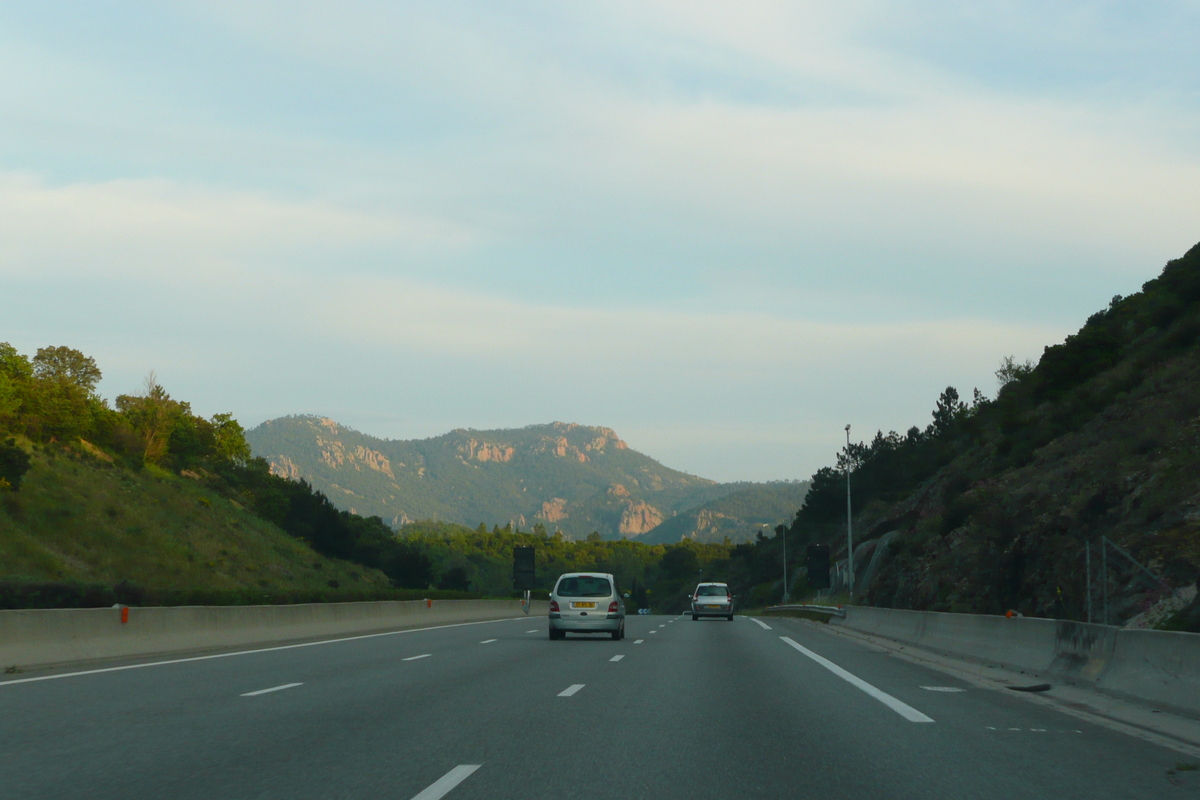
x=284 y=467
x=553 y=510
x=475 y=450
x=639 y=517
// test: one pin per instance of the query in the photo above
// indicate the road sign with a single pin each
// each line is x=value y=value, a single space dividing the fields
x=817 y=557
x=523 y=567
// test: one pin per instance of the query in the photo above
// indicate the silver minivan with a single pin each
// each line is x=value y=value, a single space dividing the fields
x=586 y=602
x=712 y=600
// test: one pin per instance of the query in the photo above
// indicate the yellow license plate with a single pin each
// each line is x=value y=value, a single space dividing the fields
x=583 y=605
x=712 y=606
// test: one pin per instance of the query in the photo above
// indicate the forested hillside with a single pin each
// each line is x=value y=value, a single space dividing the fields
x=568 y=477
x=739 y=516
x=990 y=505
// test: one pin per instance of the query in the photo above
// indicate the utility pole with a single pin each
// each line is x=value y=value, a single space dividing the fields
x=849 y=529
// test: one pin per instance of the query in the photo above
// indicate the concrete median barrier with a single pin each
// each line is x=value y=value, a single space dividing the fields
x=1158 y=667
x=48 y=637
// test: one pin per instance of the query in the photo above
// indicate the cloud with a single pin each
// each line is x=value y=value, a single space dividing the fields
x=735 y=225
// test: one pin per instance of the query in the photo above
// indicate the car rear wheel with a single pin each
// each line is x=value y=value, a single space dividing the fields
x=731 y=617
x=695 y=617
x=556 y=634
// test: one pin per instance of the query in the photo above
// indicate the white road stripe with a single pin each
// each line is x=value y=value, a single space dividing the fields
x=901 y=708
x=414 y=658
x=639 y=641
x=242 y=652
x=533 y=631
x=272 y=689
x=572 y=689
x=616 y=658
x=654 y=631
x=762 y=624
x=442 y=786
x=487 y=641
x=942 y=689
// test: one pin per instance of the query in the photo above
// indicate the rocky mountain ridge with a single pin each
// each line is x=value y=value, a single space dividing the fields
x=565 y=476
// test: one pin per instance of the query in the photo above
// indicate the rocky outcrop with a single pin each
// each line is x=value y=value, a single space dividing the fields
x=284 y=467
x=639 y=517
x=485 y=451
x=553 y=510
x=336 y=455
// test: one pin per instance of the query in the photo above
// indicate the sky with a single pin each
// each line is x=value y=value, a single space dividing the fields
x=726 y=230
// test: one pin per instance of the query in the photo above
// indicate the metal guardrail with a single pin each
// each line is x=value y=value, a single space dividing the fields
x=833 y=611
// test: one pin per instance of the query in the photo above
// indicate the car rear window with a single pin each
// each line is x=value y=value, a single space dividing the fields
x=712 y=591
x=584 y=586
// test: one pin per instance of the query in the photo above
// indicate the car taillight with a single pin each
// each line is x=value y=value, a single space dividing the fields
x=554 y=605
x=612 y=607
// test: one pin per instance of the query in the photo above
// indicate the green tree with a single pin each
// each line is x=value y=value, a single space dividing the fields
x=153 y=415
x=67 y=365
x=1012 y=370
x=230 y=439
x=13 y=364
x=949 y=408
x=14 y=463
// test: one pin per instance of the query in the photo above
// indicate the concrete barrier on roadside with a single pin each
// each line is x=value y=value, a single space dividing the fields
x=1159 y=667
x=49 y=637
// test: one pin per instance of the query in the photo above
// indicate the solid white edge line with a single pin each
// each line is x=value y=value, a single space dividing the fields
x=616 y=658
x=442 y=786
x=248 y=652
x=572 y=689
x=414 y=658
x=762 y=624
x=900 y=707
x=272 y=689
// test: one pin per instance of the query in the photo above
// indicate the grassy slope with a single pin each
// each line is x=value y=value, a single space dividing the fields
x=79 y=519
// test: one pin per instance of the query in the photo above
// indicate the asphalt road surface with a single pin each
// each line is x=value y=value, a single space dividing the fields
x=712 y=710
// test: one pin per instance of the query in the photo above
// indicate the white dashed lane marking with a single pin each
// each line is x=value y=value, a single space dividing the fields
x=487 y=641
x=616 y=658
x=414 y=658
x=533 y=631
x=272 y=689
x=942 y=689
x=442 y=786
x=639 y=641
x=572 y=689
x=762 y=624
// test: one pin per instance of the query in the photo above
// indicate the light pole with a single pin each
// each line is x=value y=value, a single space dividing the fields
x=783 y=533
x=849 y=528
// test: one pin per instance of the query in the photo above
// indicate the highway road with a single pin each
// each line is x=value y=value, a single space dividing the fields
x=680 y=709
